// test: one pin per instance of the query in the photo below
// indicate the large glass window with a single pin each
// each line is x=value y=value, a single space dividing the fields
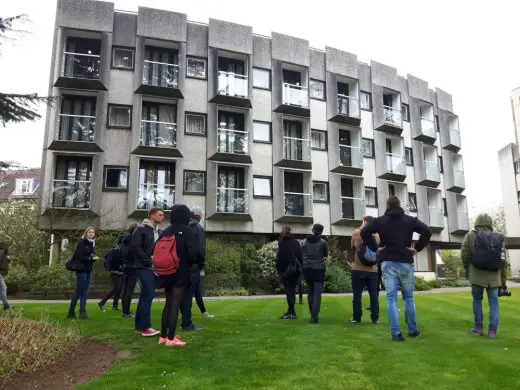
x=262 y=187
x=317 y=89
x=116 y=179
x=365 y=100
x=195 y=124
x=196 y=67
x=320 y=192
x=122 y=58
x=261 y=78
x=318 y=140
x=368 y=147
x=119 y=116
x=370 y=197
x=262 y=132
x=194 y=182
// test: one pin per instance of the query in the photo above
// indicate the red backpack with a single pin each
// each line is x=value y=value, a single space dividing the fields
x=165 y=258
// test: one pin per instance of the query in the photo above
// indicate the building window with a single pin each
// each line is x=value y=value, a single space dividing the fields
x=119 y=116
x=405 y=112
x=194 y=182
x=517 y=166
x=412 y=200
x=195 y=124
x=196 y=67
x=444 y=207
x=409 y=156
x=365 y=100
x=116 y=179
x=318 y=140
x=368 y=147
x=261 y=78
x=262 y=187
x=317 y=90
x=370 y=197
x=320 y=192
x=262 y=132
x=122 y=58
x=23 y=187
x=437 y=126
x=518 y=196
x=441 y=165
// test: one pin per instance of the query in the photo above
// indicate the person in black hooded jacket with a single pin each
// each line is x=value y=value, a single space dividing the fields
x=289 y=251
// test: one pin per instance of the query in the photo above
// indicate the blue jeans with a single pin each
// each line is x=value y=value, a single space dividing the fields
x=142 y=314
x=83 y=280
x=394 y=272
x=478 y=294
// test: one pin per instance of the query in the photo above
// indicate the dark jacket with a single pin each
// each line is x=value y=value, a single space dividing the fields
x=83 y=255
x=314 y=250
x=288 y=250
x=142 y=245
x=395 y=230
x=200 y=238
x=4 y=260
x=124 y=242
x=185 y=240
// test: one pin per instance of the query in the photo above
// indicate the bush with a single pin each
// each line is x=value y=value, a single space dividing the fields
x=267 y=264
x=53 y=279
x=455 y=283
x=227 y=292
x=337 y=280
x=18 y=279
x=422 y=285
x=223 y=261
x=436 y=283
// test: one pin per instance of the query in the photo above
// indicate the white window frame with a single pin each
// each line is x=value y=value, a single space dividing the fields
x=374 y=189
x=269 y=180
x=127 y=49
x=268 y=78
x=204 y=60
x=270 y=135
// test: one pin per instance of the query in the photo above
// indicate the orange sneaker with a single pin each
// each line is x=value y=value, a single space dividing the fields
x=162 y=340
x=176 y=342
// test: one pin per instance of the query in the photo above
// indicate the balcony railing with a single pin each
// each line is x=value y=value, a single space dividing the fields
x=155 y=195
x=78 y=128
x=295 y=95
x=432 y=171
x=232 y=141
x=455 y=137
x=298 y=204
x=352 y=208
x=458 y=178
x=71 y=194
x=393 y=116
x=81 y=66
x=350 y=156
x=232 y=200
x=428 y=128
x=463 y=220
x=436 y=216
x=395 y=163
x=158 y=134
x=348 y=106
x=232 y=84
x=160 y=74
x=296 y=149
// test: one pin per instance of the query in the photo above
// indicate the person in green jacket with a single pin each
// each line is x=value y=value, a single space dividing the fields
x=483 y=279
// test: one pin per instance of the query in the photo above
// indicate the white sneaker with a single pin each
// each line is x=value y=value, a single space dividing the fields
x=207 y=315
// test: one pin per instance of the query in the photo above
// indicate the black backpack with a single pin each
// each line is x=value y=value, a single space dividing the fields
x=113 y=260
x=366 y=256
x=124 y=248
x=487 y=254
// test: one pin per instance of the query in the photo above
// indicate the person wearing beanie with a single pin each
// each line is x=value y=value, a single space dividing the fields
x=314 y=250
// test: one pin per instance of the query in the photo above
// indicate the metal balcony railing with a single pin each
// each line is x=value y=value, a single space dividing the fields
x=71 y=194
x=155 y=195
x=352 y=208
x=295 y=95
x=350 y=156
x=81 y=66
x=298 y=204
x=232 y=141
x=232 y=84
x=160 y=74
x=158 y=134
x=348 y=106
x=232 y=200
x=78 y=128
x=298 y=149
x=393 y=116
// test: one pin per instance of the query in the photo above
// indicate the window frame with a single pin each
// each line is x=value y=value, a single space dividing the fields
x=29 y=183
x=441 y=164
x=270 y=133
x=270 y=178
x=414 y=196
x=405 y=106
x=121 y=167
x=324 y=99
x=370 y=105
x=204 y=182
x=437 y=125
x=270 y=78
x=327 y=191
x=445 y=207
x=186 y=113
x=375 y=197
x=205 y=59
x=109 y=106
x=411 y=163
x=326 y=140
x=372 y=148
x=128 y=48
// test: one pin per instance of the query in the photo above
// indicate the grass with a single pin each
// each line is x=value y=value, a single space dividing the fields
x=247 y=346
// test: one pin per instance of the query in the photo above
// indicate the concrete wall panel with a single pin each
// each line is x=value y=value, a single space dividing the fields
x=290 y=49
x=85 y=15
x=341 y=62
x=230 y=36
x=161 y=24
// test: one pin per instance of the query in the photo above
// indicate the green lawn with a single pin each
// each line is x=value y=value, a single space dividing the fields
x=247 y=346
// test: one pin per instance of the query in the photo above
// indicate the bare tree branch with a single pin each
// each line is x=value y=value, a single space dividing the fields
x=20 y=108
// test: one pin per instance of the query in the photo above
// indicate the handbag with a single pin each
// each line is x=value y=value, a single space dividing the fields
x=294 y=269
x=73 y=265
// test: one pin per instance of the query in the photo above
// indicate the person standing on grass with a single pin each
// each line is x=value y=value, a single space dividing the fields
x=314 y=251
x=4 y=269
x=114 y=263
x=289 y=263
x=483 y=256
x=363 y=275
x=129 y=271
x=180 y=246
x=396 y=255
x=141 y=250
x=200 y=237
x=84 y=257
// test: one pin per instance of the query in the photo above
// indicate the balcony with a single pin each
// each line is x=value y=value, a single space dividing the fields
x=395 y=167
x=296 y=153
x=348 y=111
x=160 y=79
x=80 y=71
x=436 y=218
x=232 y=146
x=459 y=182
x=350 y=160
x=462 y=221
x=295 y=100
x=297 y=207
x=432 y=174
x=75 y=133
x=158 y=139
x=71 y=194
x=428 y=132
x=232 y=90
x=155 y=195
x=352 y=211
x=391 y=120
x=232 y=204
x=454 y=139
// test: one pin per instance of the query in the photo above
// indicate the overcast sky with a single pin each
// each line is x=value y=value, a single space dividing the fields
x=465 y=48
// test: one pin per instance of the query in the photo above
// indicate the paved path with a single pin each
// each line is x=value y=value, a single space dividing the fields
x=510 y=285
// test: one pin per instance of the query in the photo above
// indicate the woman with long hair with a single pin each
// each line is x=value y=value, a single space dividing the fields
x=84 y=257
x=288 y=264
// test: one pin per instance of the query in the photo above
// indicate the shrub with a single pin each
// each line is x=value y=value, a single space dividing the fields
x=436 y=283
x=337 y=280
x=53 y=279
x=422 y=285
x=18 y=279
x=227 y=292
x=267 y=264
x=455 y=283
x=223 y=261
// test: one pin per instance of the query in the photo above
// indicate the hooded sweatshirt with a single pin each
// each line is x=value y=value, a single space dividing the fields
x=396 y=230
x=288 y=250
x=200 y=237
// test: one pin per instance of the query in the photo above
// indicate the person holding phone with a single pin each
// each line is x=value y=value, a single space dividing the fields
x=85 y=257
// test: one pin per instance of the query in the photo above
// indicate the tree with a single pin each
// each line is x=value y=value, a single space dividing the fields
x=453 y=263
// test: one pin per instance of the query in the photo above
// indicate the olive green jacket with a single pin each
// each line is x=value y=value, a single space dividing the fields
x=477 y=276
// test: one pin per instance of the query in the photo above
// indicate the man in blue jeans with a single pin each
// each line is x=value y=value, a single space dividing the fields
x=396 y=256
x=141 y=251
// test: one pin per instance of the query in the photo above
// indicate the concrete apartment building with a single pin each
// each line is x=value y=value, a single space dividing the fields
x=260 y=131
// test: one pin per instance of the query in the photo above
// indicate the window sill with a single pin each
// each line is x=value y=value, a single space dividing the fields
x=194 y=193
x=197 y=78
x=196 y=134
x=262 y=197
x=371 y=206
x=321 y=201
x=262 y=142
x=262 y=88
x=105 y=189
x=118 y=68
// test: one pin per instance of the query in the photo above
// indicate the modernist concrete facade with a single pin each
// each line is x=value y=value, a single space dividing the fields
x=260 y=131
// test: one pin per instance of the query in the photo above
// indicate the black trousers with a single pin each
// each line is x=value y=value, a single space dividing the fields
x=189 y=292
x=360 y=279
x=129 y=282
x=289 y=285
x=315 y=279
x=199 y=293
x=117 y=286
x=174 y=291
x=300 y=288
